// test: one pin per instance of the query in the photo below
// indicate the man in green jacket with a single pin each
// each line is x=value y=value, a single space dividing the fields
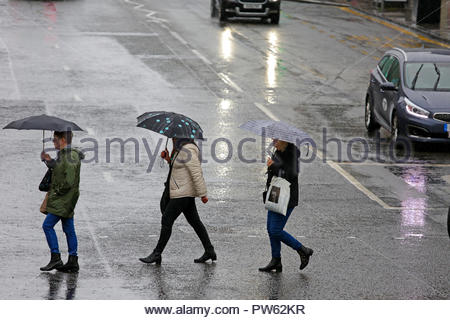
x=62 y=199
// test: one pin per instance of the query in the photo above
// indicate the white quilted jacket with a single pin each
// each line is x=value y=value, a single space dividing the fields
x=186 y=179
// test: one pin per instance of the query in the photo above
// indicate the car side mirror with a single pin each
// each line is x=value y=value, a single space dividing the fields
x=388 y=86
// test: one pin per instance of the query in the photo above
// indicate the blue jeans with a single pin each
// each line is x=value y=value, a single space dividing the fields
x=275 y=226
x=69 y=229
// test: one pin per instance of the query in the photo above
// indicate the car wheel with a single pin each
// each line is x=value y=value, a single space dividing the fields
x=394 y=128
x=275 y=19
x=213 y=9
x=222 y=14
x=369 y=119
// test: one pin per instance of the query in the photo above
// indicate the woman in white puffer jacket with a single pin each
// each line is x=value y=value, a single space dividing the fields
x=186 y=183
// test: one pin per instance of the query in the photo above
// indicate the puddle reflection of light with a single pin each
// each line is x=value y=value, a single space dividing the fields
x=225 y=105
x=222 y=151
x=226 y=44
x=415 y=177
x=413 y=212
x=223 y=171
x=272 y=60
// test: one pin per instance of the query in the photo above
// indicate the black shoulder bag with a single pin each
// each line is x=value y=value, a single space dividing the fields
x=46 y=181
x=165 y=198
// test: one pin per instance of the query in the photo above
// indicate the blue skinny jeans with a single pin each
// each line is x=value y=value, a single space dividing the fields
x=69 y=229
x=275 y=226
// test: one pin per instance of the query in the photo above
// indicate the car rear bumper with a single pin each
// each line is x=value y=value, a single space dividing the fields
x=238 y=9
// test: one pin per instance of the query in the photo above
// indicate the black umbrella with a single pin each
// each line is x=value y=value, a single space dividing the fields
x=170 y=124
x=43 y=122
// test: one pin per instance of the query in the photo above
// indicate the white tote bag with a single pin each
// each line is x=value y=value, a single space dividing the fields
x=278 y=195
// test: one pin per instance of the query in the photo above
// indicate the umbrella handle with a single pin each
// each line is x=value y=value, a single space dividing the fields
x=167 y=141
x=43 y=140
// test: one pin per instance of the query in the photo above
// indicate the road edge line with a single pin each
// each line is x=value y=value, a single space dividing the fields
x=394 y=27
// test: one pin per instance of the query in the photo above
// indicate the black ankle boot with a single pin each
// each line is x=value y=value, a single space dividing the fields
x=274 y=264
x=55 y=262
x=305 y=253
x=154 y=257
x=209 y=254
x=71 y=266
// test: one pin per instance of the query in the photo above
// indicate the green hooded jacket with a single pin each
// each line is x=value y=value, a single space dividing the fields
x=64 y=187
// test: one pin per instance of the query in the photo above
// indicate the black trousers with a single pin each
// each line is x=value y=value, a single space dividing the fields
x=173 y=210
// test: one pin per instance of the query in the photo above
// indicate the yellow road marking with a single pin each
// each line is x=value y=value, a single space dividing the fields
x=395 y=27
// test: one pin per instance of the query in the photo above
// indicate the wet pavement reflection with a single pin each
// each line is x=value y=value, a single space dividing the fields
x=103 y=70
x=56 y=281
x=414 y=207
x=226 y=44
x=163 y=285
x=272 y=60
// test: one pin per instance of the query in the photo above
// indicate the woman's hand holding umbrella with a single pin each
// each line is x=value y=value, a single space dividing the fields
x=45 y=156
x=165 y=155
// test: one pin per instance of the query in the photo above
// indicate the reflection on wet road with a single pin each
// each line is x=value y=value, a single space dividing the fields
x=58 y=280
x=102 y=63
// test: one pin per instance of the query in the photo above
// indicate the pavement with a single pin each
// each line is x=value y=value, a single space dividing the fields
x=378 y=227
x=398 y=16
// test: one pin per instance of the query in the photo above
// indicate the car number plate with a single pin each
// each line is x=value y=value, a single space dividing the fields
x=447 y=129
x=252 y=6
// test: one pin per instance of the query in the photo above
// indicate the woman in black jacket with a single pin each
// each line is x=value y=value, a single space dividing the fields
x=284 y=164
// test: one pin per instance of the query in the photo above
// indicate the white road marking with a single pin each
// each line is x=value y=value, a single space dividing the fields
x=77 y=98
x=156 y=56
x=11 y=70
x=87 y=222
x=198 y=54
x=108 y=177
x=56 y=46
x=266 y=111
x=121 y=34
x=178 y=37
x=229 y=82
x=149 y=13
x=66 y=68
x=359 y=186
x=446 y=179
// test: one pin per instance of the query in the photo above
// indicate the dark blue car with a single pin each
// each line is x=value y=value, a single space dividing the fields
x=409 y=95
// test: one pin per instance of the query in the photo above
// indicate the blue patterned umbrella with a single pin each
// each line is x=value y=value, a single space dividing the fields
x=170 y=124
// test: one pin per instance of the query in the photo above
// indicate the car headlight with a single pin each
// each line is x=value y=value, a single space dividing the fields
x=415 y=110
x=274 y=0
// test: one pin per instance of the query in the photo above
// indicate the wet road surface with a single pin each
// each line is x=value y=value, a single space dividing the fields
x=378 y=228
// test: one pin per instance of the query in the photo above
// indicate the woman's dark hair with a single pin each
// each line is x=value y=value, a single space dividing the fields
x=67 y=135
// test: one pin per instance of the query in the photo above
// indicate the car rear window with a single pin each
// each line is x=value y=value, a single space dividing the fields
x=427 y=76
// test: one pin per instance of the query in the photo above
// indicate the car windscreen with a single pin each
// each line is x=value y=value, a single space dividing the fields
x=427 y=76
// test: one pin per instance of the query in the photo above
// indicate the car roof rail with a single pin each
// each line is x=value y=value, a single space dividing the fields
x=403 y=53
